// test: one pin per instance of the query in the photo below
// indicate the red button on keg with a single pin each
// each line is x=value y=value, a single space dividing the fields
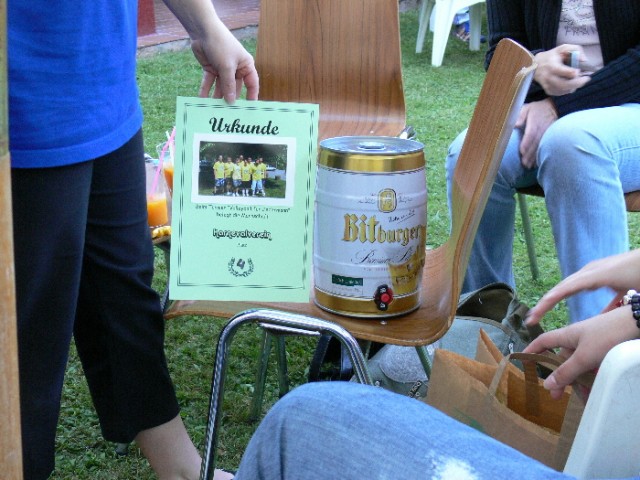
x=383 y=297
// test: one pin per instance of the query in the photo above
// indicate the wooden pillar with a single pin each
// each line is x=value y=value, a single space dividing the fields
x=10 y=439
x=146 y=17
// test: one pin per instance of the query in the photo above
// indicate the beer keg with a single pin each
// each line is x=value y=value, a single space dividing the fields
x=370 y=226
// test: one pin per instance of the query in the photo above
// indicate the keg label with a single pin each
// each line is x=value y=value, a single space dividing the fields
x=387 y=200
x=346 y=281
x=370 y=231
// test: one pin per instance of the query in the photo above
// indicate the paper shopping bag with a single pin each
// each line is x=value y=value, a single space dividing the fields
x=506 y=403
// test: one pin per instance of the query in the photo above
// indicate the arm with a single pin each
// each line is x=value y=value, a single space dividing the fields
x=224 y=60
x=585 y=344
x=535 y=24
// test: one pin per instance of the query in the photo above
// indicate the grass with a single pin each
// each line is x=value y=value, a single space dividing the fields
x=439 y=102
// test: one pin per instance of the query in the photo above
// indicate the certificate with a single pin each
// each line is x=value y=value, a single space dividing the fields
x=243 y=200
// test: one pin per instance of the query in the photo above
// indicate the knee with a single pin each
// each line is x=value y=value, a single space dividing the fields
x=566 y=151
x=452 y=156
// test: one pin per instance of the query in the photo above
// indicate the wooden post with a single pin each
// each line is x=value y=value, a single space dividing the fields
x=10 y=437
x=146 y=17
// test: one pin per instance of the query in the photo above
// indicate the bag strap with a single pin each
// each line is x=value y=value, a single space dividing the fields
x=549 y=360
x=498 y=302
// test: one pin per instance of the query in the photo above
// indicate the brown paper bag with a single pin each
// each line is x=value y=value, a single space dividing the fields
x=497 y=398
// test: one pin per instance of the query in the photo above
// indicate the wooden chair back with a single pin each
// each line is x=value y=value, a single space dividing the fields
x=500 y=99
x=342 y=54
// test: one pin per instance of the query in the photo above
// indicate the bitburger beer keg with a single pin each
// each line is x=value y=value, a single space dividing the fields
x=370 y=226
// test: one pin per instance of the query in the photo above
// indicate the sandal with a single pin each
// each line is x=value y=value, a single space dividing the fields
x=462 y=32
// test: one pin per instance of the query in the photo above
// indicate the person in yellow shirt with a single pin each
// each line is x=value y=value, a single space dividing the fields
x=259 y=174
x=236 y=177
x=228 y=173
x=245 y=173
x=218 y=175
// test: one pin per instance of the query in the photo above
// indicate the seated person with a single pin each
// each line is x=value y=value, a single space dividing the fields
x=576 y=136
x=332 y=429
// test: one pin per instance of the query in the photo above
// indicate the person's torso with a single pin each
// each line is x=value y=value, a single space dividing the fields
x=72 y=84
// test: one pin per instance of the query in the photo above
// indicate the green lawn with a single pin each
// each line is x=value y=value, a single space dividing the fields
x=439 y=105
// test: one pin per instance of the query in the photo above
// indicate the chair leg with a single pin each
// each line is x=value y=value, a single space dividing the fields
x=281 y=357
x=261 y=377
x=263 y=365
x=424 y=359
x=475 y=26
x=441 y=30
x=528 y=236
x=423 y=23
x=166 y=249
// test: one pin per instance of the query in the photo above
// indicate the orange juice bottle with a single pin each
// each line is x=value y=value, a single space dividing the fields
x=168 y=175
x=157 y=212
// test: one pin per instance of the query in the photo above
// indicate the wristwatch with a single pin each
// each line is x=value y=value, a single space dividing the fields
x=633 y=298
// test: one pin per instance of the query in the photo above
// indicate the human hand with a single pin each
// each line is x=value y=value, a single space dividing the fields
x=226 y=67
x=554 y=76
x=618 y=272
x=584 y=345
x=534 y=119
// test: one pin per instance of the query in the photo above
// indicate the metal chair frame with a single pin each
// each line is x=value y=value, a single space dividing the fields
x=280 y=323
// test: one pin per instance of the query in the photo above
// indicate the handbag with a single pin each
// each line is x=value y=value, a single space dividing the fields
x=495 y=309
x=505 y=402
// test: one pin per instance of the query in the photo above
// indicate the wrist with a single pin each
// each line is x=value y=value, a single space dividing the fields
x=632 y=298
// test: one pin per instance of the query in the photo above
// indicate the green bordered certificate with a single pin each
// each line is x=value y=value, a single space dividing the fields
x=243 y=199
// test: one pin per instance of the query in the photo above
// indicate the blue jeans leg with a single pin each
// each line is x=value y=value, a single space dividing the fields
x=586 y=161
x=351 y=431
x=594 y=155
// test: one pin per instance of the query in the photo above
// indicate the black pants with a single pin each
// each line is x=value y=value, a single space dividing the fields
x=84 y=264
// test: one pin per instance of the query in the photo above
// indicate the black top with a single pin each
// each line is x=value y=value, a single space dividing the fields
x=534 y=24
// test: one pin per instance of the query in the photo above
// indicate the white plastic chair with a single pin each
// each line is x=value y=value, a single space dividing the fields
x=445 y=11
x=606 y=444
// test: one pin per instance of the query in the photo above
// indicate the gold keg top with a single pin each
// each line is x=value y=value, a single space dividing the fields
x=371 y=154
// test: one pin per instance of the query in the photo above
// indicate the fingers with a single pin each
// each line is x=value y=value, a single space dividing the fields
x=229 y=88
x=554 y=75
x=544 y=305
x=549 y=341
x=252 y=84
x=206 y=84
x=555 y=388
x=528 y=147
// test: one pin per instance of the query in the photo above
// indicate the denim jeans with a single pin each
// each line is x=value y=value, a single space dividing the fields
x=585 y=162
x=332 y=430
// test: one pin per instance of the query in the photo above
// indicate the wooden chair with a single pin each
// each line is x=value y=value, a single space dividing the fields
x=500 y=99
x=632 y=199
x=342 y=54
x=345 y=56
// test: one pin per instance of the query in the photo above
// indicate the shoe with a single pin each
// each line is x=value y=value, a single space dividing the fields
x=461 y=32
x=219 y=474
